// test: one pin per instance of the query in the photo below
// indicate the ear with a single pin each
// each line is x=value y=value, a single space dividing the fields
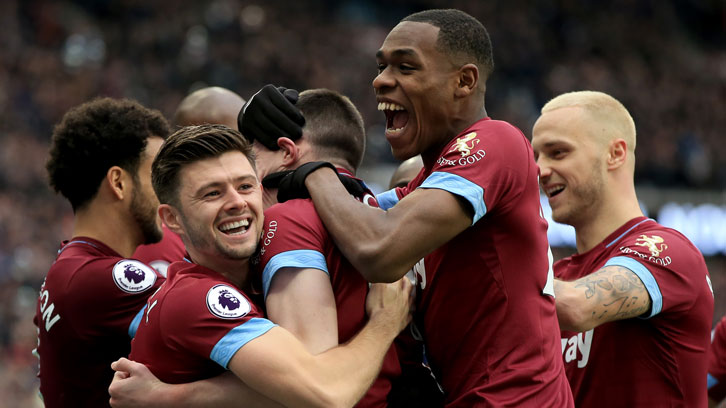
x=467 y=80
x=617 y=153
x=171 y=218
x=118 y=181
x=291 y=152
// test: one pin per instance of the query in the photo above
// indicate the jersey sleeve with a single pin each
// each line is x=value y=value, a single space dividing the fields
x=118 y=293
x=671 y=269
x=212 y=320
x=717 y=362
x=294 y=237
x=485 y=166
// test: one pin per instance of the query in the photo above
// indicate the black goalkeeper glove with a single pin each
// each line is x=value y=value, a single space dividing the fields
x=290 y=184
x=269 y=115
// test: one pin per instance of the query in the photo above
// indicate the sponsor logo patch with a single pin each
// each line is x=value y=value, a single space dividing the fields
x=654 y=244
x=227 y=302
x=465 y=144
x=132 y=276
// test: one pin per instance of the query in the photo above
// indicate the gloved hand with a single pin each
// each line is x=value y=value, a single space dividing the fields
x=291 y=183
x=270 y=114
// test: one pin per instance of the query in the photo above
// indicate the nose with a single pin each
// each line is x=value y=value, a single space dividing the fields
x=384 y=80
x=236 y=201
x=545 y=171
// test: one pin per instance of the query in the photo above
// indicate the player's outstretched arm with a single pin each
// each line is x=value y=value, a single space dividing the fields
x=611 y=293
x=134 y=386
x=384 y=245
x=279 y=366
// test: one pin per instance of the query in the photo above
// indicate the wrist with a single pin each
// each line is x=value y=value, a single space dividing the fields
x=384 y=324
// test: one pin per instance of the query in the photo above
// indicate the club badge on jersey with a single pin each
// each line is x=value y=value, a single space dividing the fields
x=132 y=276
x=227 y=302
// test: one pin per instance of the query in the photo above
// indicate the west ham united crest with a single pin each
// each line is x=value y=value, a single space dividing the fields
x=133 y=276
x=226 y=302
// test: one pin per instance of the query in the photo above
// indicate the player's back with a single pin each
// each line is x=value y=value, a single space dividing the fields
x=293 y=228
x=84 y=316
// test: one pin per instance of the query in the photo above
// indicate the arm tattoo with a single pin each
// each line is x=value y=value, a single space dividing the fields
x=614 y=293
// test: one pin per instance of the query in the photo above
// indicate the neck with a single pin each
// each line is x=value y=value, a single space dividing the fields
x=458 y=125
x=619 y=208
x=236 y=270
x=108 y=225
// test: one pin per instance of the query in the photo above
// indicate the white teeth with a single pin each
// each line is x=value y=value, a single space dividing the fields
x=394 y=131
x=553 y=190
x=233 y=225
x=389 y=106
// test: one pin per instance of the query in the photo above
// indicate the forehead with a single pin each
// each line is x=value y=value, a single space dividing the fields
x=563 y=125
x=227 y=167
x=410 y=37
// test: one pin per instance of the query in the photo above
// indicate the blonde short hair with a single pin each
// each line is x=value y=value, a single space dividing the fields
x=602 y=108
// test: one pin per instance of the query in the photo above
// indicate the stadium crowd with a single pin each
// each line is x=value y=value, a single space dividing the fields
x=665 y=62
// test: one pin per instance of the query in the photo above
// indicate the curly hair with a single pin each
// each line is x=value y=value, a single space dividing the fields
x=188 y=145
x=95 y=136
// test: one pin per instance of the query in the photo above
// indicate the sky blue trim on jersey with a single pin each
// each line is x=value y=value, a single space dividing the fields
x=629 y=229
x=60 y=251
x=387 y=199
x=299 y=258
x=135 y=323
x=712 y=381
x=646 y=277
x=460 y=186
x=238 y=337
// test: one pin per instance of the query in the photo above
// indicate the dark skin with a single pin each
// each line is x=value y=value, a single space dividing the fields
x=440 y=98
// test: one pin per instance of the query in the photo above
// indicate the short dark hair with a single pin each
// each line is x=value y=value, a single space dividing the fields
x=459 y=35
x=95 y=136
x=334 y=125
x=189 y=145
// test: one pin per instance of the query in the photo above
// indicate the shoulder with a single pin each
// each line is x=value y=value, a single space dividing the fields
x=196 y=297
x=293 y=212
x=658 y=241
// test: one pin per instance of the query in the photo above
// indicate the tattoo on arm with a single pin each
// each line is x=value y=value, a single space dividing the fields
x=614 y=293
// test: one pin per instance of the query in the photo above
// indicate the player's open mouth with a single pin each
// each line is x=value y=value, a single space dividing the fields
x=554 y=190
x=235 y=227
x=396 y=117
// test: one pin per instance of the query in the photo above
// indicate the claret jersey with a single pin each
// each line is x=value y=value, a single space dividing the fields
x=194 y=324
x=659 y=359
x=163 y=253
x=486 y=309
x=717 y=362
x=88 y=309
x=295 y=237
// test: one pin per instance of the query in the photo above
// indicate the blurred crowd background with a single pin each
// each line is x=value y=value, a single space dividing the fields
x=666 y=61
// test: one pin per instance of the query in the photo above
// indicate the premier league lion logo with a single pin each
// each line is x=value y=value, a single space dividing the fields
x=132 y=276
x=226 y=302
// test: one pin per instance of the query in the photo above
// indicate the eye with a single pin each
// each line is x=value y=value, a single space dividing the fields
x=210 y=194
x=406 y=68
x=381 y=67
x=245 y=187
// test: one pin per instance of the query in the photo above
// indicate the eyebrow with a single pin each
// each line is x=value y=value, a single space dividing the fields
x=215 y=184
x=400 y=52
